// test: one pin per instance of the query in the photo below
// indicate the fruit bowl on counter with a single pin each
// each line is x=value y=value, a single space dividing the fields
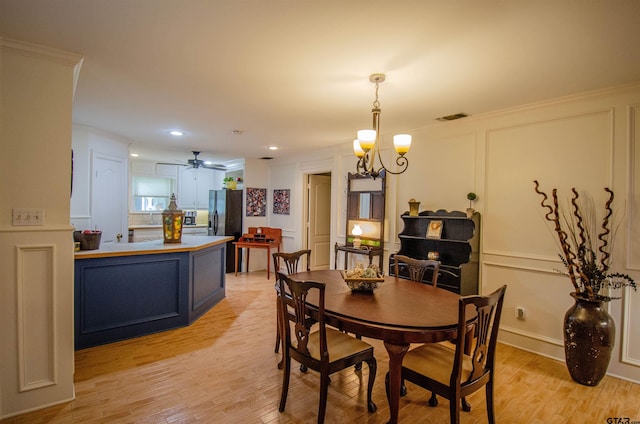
x=363 y=280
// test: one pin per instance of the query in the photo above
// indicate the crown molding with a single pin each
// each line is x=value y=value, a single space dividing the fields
x=38 y=51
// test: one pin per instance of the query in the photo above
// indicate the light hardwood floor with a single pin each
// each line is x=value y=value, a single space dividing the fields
x=222 y=369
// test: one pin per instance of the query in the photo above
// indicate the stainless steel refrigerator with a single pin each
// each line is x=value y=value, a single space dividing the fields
x=225 y=219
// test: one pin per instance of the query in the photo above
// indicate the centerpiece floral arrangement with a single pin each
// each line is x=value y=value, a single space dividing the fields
x=585 y=251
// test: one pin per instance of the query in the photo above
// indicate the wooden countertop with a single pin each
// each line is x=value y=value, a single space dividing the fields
x=189 y=244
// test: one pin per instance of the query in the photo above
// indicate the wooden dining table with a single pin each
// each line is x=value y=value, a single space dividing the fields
x=399 y=312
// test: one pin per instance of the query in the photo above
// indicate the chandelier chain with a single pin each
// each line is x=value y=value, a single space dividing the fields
x=376 y=103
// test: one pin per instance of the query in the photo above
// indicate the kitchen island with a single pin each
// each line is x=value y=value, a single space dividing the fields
x=125 y=290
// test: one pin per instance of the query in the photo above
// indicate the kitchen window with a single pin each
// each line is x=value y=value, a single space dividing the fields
x=151 y=194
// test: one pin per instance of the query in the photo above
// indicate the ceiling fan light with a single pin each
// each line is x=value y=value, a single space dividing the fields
x=367 y=139
x=402 y=143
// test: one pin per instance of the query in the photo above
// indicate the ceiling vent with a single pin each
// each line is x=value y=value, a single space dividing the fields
x=266 y=158
x=452 y=117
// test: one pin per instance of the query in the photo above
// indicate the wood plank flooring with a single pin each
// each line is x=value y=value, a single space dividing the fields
x=222 y=369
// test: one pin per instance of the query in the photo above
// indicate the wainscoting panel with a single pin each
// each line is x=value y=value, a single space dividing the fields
x=548 y=151
x=633 y=211
x=36 y=316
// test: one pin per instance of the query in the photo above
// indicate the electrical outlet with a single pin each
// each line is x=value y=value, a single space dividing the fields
x=28 y=216
x=520 y=313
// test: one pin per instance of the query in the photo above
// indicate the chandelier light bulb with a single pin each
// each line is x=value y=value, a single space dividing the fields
x=402 y=143
x=357 y=150
x=367 y=139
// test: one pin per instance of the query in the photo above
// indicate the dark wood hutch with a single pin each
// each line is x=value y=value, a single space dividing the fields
x=454 y=239
x=365 y=208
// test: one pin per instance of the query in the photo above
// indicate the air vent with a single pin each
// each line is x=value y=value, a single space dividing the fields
x=452 y=117
x=266 y=158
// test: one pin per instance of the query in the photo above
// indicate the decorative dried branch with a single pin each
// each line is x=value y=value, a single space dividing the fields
x=554 y=216
x=603 y=236
x=586 y=265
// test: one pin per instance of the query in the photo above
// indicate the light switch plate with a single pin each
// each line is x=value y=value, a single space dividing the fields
x=28 y=216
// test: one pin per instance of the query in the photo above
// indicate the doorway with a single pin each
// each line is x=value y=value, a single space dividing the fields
x=318 y=217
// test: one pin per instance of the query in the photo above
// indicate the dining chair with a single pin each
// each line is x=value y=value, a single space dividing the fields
x=291 y=261
x=449 y=371
x=417 y=268
x=325 y=349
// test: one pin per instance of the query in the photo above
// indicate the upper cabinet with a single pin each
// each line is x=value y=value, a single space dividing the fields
x=152 y=169
x=194 y=185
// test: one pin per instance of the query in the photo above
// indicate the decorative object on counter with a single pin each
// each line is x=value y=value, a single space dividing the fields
x=367 y=146
x=414 y=207
x=172 y=218
x=281 y=201
x=230 y=183
x=471 y=197
x=256 y=201
x=357 y=232
x=88 y=239
x=361 y=279
x=589 y=330
x=190 y=217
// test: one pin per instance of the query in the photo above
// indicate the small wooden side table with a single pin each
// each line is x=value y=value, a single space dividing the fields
x=268 y=238
x=364 y=250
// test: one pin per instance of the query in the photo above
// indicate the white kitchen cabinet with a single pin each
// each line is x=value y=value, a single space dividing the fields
x=166 y=170
x=194 y=185
x=194 y=231
x=147 y=234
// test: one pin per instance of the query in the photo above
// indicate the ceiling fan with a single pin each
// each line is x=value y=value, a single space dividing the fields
x=199 y=163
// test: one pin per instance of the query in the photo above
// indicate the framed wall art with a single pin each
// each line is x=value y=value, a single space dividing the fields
x=281 y=201
x=256 y=201
x=434 y=230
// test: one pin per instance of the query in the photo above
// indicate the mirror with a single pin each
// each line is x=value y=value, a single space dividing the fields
x=364 y=206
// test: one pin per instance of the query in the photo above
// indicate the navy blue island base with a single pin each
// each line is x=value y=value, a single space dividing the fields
x=132 y=289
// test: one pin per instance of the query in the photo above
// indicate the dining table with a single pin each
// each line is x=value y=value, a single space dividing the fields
x=399 y=312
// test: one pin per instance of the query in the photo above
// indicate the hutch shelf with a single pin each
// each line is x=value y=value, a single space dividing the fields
x=451 y=236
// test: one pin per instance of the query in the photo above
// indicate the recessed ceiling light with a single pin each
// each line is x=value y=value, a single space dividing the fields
x=273 y=147
x=134 y=155
x=177 y=133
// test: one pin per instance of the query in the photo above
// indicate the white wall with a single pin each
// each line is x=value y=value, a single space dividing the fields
x=86 y=142
x=589 y=141
x=36 y=288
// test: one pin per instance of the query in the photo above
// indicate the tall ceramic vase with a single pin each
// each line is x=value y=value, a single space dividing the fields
x=589 y=333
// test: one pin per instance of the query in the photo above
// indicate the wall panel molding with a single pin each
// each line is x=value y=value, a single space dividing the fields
x=36 y=311
x=633 y=204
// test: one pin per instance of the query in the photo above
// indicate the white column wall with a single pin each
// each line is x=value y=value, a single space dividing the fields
x=36 y=288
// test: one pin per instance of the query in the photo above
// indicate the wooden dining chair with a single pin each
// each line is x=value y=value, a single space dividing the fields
x=417 y=268
x=291 y=261
x=449 y=371
x=325 y=350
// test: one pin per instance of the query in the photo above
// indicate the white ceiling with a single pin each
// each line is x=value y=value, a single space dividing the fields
x=295 y=73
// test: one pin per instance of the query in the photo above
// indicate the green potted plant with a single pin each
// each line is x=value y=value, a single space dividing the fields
x=230 y=183
x=471 y=197
x=585 y=252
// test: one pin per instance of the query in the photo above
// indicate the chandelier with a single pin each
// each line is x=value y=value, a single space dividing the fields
x=367 y=146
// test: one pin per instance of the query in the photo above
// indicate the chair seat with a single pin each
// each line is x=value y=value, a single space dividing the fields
x=436 y=361
x=340 y=345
